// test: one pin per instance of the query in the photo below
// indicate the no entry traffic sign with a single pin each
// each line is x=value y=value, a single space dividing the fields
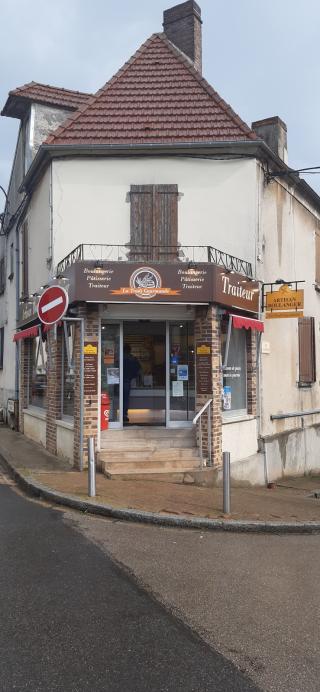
x=52 y=305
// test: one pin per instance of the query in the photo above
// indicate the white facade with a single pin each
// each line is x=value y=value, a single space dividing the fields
x=216 y=207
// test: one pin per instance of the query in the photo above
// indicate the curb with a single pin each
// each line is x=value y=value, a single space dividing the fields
x=170 y=520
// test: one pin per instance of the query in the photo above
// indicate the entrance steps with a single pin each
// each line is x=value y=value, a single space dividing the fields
x=149 y=453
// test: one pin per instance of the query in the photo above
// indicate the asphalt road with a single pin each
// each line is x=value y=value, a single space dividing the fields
x=254 y=598
x=72 y=620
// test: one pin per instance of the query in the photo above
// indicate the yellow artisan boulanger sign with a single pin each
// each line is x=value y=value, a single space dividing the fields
x=90 y=350
x=203 y=350
x=284 y=303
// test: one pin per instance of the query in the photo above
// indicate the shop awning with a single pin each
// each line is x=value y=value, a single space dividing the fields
x=26 y=333
x=247 y=322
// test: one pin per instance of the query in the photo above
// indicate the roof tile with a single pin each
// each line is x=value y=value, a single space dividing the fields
x=156 y=97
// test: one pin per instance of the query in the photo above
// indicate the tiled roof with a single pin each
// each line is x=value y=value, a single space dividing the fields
x=156 y=97
x=43 y=93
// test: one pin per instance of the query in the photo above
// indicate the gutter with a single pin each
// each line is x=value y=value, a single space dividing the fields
x=244 y=148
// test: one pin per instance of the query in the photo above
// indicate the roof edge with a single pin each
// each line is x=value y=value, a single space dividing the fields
x=256 y=148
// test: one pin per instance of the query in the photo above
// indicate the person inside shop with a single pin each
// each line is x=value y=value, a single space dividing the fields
x=131 y=369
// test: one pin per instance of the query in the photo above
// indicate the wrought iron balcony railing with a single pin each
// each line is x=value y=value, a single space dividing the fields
x=190 y=254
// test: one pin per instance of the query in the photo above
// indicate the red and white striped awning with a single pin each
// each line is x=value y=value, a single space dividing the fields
x=26 y=333
x=247 y=322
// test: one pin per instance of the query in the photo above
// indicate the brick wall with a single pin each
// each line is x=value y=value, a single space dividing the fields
x=90 y=402
x=25 y=346
x=207 y=330
x=54 y=382
x=252 y=372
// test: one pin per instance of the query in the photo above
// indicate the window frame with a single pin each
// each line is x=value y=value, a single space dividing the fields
x=229 y=414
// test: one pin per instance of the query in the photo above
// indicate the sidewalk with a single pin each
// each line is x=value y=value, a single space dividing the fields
x=290 y=501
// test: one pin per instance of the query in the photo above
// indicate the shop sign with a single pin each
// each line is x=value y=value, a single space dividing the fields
x=204 y=368
x=123 y=282
x=235 y=290
x=284 y=303
x=90 y=353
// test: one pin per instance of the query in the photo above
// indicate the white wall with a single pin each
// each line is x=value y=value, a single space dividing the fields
x=39 y=221
x=217 y=207
x=289 y=231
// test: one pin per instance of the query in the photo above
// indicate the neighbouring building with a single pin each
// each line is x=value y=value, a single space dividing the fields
x=164 y=216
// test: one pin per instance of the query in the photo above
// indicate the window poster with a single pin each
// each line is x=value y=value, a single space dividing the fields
x=226 y=399
x=113 y=376
x=183 y=372
x=108 y=353
x=177 y=388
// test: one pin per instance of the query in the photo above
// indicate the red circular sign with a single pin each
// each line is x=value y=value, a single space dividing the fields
x=53 y=304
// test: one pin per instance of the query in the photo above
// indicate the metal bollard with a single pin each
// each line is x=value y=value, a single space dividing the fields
x=226 y=483
x=91 y=468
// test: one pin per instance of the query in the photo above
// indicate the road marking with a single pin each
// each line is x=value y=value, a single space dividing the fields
x=52 y=304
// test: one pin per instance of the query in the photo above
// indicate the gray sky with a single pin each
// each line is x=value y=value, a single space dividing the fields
x=262 y=57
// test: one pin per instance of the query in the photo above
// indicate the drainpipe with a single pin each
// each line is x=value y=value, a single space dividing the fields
x=16 y=387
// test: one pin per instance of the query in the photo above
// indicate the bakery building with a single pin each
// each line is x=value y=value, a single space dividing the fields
x=160 y=213
x=142 y=349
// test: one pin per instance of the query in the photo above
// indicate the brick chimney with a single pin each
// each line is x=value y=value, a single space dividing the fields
x=274 y=132
x=182 y=26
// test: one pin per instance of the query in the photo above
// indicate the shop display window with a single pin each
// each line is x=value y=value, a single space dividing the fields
x=234 y=371
x=38 y=373
x=68 y=377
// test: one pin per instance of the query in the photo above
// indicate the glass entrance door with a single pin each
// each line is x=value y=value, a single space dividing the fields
x=144 y=373
x=180 y=374
x=148 y=372
x=111 y=370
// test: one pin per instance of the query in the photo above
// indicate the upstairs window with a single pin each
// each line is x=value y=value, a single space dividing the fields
x=307 y=352
x=153 y=222
x=2 y=275
x=25 y=260
x=1 y=347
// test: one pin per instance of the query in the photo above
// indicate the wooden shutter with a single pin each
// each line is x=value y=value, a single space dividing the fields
x=141 y=222
x=25 y=260
x=166 y=221
x=317 y=251
x=307 y=356
x=154 y=222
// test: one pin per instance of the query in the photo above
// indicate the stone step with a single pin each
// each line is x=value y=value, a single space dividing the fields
x=151 y=455
x=138 y=444
x=159 y=466
x=147 y=432
x=164 y=477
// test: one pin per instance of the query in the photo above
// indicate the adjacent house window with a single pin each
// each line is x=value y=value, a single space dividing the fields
x=2 y=275
x=11 y=267
x=68 y=378
x=307 y=353
x=154 y=222
x=25 y=260
x=1 y=346
x=38 y=373
x=234 y=373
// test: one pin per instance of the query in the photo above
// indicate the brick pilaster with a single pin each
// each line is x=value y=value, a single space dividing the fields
x=24 y=376
x=207 y=330
x=252 y=372
x=90 y=315
x=54 y=377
